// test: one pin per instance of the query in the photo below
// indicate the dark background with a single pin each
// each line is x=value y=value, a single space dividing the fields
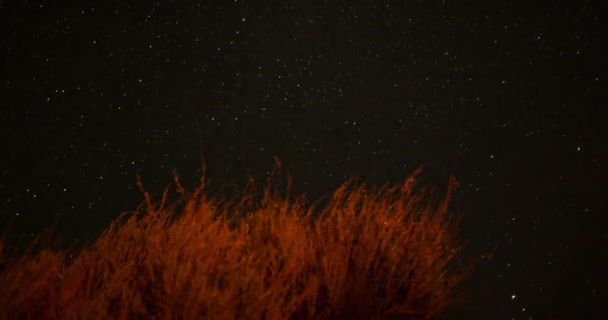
x=509 y=99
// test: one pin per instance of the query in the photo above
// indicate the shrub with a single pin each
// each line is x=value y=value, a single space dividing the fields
x=362 y=253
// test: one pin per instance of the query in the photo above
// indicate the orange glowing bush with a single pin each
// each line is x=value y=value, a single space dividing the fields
x=364 y=253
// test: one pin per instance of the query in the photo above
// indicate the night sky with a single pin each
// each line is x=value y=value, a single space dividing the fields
x=509 y=99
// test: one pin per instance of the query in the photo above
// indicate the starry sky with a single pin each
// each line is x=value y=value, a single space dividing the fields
x=509 y=99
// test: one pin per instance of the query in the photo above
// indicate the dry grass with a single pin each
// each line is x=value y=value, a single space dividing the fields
x=363 y=253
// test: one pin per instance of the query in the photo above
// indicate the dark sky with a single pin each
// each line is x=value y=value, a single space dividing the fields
x=509 y=99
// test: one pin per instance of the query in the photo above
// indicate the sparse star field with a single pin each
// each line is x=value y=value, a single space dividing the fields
x=509 y=99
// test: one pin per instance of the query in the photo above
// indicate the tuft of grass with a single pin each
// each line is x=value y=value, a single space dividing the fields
x=363 y=252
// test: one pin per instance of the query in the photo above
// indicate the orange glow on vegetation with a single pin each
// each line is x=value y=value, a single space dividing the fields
x=364 y=253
